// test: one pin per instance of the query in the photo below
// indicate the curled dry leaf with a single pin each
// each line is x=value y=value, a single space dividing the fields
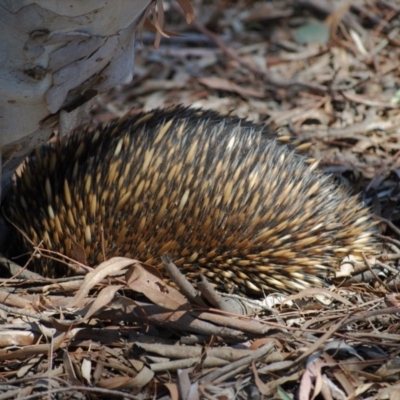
x=155 y=11
x=103 y=298
x=128 y=382
x=17 y=338
x=187 y=9
x=261 y=342
x=110 y=267
x=392 y=300
x=142 y=378
x=389 y=368
x=173 y=390
x=311 y=381
x=261 y=386
x=147 y=280
x=86 y=369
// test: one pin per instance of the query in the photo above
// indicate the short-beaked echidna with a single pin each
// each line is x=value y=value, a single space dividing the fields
x=220 y=195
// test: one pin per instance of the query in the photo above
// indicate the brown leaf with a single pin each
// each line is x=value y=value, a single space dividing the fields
x=99 y=365
x=392 y=300
x=262 y=387
x=127 y=382
x=116 y=382
x=142 y=379
x=69 y=369
x=311 y=381
x=335 y=17
x=187 y=9
x=224 y=84
x=62 y=325
x=17 y=338
x=261 y=342
x=147 y=280
x=173 y=390
x=107 y=268
x=102 y=299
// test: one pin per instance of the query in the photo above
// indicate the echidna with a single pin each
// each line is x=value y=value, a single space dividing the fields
x=220 y=195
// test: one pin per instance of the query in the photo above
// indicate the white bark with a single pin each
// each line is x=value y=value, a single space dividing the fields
x=52 y=52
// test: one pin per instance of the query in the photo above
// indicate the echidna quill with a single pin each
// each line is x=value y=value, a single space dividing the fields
x=220 y=195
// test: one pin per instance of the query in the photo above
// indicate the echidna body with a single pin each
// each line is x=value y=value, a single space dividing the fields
x=221 y=196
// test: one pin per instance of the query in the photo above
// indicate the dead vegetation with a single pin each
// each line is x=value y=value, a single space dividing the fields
x=325 y=71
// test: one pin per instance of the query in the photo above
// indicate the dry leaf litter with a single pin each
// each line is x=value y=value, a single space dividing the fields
x=327 y=72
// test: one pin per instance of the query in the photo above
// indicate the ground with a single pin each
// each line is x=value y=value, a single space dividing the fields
x=323 y=71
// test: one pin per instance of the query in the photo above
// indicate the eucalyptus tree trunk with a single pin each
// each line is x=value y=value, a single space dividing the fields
x=55 y=57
